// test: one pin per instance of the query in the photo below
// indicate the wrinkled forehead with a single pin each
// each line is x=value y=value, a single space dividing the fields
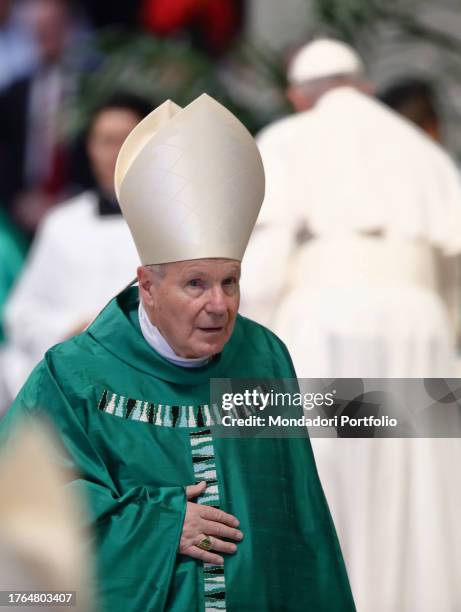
x=215 y=267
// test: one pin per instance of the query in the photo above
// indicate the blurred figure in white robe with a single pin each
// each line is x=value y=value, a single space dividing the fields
x=354 y=264
x=41 y=535
x=82 y=256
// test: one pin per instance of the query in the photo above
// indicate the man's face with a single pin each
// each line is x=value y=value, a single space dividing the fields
x=50 y=22
x=194 y=304
x=108 y=132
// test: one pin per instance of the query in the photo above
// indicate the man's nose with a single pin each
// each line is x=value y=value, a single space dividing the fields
x=216 y=304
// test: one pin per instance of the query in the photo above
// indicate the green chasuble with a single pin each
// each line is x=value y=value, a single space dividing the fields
x=137 y=428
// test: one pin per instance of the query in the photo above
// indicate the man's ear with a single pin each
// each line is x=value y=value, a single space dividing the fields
x=145 y=285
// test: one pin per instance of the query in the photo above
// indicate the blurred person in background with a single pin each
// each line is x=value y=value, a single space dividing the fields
x=18 y=53
x=414 y=99
x=362 y=218
x=344 y=212
x=33 y=155
x=81 y=256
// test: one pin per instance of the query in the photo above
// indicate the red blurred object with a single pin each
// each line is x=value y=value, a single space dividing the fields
x=166 y=17
x=217 y=20
x=57 y=177
x=220 y=21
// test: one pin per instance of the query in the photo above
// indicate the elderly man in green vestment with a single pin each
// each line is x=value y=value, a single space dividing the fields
x=185 y=521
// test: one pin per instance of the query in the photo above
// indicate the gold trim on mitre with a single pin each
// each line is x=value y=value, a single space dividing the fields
x=190 y=183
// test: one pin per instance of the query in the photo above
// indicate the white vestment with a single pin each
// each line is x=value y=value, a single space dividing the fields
x=78 y=262
x=353 y=262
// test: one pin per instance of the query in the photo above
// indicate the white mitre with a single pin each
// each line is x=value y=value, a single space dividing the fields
x=190 y=183
x=322 y=58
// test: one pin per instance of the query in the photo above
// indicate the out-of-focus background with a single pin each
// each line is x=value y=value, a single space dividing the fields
x=61 y=61
x=236 y=50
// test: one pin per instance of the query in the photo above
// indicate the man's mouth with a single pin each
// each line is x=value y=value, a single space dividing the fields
x=211 y=330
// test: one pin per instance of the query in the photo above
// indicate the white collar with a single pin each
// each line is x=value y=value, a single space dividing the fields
x=156 y=341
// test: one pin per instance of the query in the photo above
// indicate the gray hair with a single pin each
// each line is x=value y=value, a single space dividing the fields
x=159 y=270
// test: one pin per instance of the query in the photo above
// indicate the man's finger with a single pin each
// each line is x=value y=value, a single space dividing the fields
x=213 y=514
x=222 y=531
x=217 y=544
x=193 y=491
x=203 y=555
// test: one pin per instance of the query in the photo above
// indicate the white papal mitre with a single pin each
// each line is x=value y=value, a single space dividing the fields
x=322 y=58
x=190 y=183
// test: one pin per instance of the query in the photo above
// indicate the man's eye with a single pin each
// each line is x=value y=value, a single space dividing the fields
x=195 y=282
x=230 y=281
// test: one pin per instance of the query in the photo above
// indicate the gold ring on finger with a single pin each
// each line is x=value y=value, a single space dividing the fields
x=205 y=544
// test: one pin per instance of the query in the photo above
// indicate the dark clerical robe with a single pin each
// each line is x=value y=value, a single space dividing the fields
x=137 y=429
